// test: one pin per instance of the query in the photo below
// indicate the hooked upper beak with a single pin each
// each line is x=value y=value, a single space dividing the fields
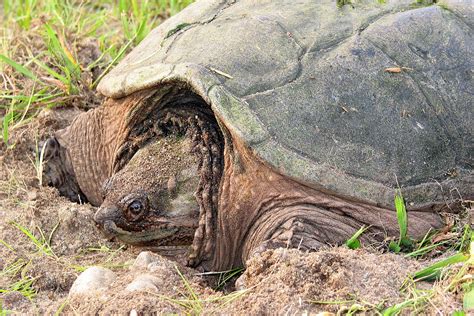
x=105 y=218
x=104 y=214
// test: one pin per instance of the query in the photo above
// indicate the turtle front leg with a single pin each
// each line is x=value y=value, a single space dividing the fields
x=58 y=171
x=308 y=220
x=290 y=234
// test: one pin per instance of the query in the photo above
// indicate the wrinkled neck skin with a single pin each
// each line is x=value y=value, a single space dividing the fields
x=260 y=209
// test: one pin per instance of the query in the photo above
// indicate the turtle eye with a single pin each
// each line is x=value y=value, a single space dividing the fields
x=136 y=207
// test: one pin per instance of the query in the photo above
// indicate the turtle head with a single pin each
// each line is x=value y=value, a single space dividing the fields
x=150 y=202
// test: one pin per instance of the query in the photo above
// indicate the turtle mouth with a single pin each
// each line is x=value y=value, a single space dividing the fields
x=139 y=237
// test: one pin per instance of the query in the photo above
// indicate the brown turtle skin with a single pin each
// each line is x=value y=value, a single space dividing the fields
x=301 y=134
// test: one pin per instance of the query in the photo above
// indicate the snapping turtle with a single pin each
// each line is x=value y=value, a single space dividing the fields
x=304 y=118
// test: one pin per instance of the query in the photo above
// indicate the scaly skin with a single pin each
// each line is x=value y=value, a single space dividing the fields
x=260 y=209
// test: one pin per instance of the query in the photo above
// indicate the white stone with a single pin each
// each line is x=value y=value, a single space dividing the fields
x=144 y=282
x=91 y=281
x=144 y=258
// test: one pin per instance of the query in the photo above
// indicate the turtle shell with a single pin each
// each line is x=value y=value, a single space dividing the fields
x=355 y=100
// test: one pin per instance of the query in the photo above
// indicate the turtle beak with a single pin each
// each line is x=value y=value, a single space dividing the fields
x=105 y=216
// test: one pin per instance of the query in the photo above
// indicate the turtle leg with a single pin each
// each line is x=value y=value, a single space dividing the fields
x=291 y=234
x=317 y=220
x=58 y=171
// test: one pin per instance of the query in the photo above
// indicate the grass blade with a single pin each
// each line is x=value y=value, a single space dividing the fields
x=401 y=215
x=354 y=242
x=18 y=67
x=433 y=270
x=7 y=120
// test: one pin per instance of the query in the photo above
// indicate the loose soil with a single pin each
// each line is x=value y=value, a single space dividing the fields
x=282 y=281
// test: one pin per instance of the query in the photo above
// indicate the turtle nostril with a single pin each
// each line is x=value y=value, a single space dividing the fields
x=104 y=214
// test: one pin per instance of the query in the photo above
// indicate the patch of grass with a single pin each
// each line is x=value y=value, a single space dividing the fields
x=46 y=45
x=453 y=275
x=450 y=237
x=42 y=243
x=434 y=271
x=135 y=19
x=354 y=242
x=224 y=277
x=191 y=304
x=23 y=284
x=14 y=268
x=63 y=60
x=107 y=263
x=174 y=6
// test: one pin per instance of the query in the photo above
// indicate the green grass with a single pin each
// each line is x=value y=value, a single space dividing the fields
x=402 y=218
x=42 y=243
x=18 y=271
x=224 y=277
x=108 y=262
x=452 y=274
x=191 y=304
x=41 y=59
x=354 y=242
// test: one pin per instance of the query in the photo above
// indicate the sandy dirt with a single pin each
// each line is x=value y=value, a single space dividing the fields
x=281 y=281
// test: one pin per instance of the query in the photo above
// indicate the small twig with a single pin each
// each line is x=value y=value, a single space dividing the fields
x=397 y=69
x=217 y=71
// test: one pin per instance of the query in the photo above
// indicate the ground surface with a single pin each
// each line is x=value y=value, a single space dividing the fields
x=46 y=241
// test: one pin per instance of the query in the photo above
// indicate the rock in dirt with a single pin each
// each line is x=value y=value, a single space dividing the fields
x=91 y=281
x=144 y=259
x=145 y=282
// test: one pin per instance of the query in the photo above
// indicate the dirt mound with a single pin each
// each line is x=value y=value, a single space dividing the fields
x=297 y=281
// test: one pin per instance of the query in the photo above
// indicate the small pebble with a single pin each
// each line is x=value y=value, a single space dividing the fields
x=143 y=282
x=93 y=280
x=32 y=195
x=144 y=258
